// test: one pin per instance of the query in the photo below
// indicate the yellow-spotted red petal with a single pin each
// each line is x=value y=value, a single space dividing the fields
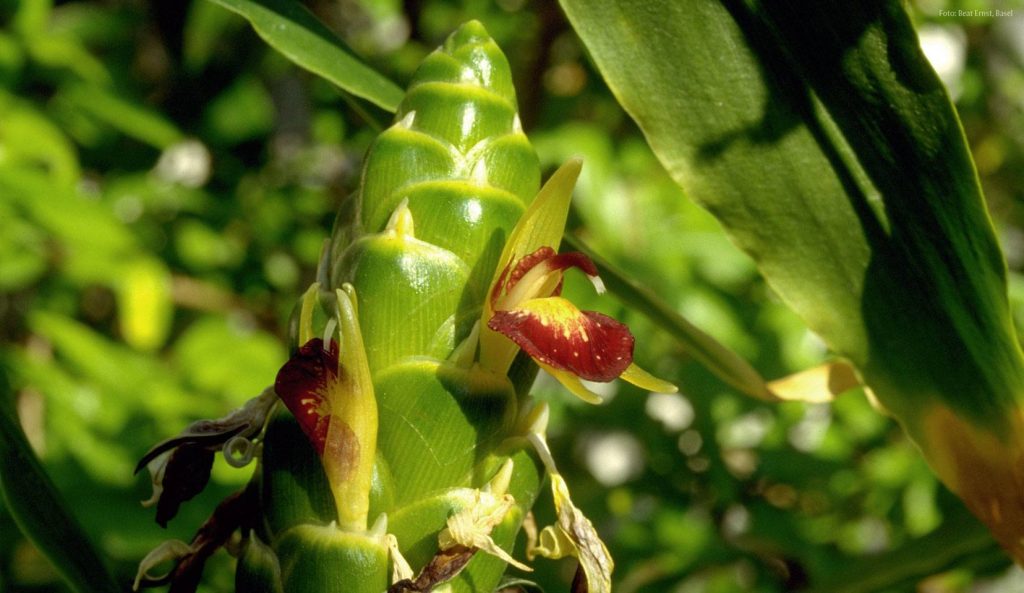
x=554 y=332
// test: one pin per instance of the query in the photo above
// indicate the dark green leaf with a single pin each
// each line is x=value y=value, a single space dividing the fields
x=39 y=510
x=829 y=150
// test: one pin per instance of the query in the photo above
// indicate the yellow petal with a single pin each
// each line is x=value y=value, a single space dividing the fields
x=553 y=543
x=309 y=301
x=817 y=385
x=543 y=223
x=644 y=380
x=354 y=403
x=572 y=383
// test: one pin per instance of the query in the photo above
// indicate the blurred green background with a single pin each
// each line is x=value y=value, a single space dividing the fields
x=166 y=181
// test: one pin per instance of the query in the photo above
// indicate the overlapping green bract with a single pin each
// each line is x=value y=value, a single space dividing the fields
x=457 y=155
x=441 y=191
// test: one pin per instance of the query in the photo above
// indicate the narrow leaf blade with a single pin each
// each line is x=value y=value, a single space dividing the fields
x=292 y=30
x=39 y=510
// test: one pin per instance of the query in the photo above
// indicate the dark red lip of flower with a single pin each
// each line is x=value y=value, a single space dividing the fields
x=588 y=344
x=302 y=384
x=551 y=329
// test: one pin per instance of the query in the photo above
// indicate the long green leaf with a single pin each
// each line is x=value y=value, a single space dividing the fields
x=839 y=165
x=292 y=30
x=40 y=512
x=824 y=142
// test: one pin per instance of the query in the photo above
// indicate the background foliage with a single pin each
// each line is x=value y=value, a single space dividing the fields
x=166 y=181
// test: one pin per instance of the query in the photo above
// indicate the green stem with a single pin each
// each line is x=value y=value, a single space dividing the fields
x=717 y=358
x=961 y=542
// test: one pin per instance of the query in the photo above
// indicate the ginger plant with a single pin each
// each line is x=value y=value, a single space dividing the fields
x=408 y=451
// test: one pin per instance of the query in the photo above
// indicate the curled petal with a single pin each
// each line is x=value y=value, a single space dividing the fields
x=554 y=332
x=185 y=474
x=157 y=468
x=539 y=275
x=572 y=534
x=573 y=259
x=472 y=526
x=528 y=263
x=525 y=279
x=168 y=551
x=239 y=451
x=246 y=421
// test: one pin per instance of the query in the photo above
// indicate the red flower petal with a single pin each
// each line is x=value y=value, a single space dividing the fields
x=526 y=264
x=547 y=257
x=553 y=331
x=303 y=384
x=573 y=259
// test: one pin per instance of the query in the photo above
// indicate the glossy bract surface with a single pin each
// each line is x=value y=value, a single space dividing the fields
x=441 y=191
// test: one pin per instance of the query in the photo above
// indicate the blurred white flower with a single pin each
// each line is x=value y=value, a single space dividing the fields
x=613 y=458
x=187 y=163
x=671 y=409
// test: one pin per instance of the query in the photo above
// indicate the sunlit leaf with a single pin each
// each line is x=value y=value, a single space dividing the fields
x=217 y=355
